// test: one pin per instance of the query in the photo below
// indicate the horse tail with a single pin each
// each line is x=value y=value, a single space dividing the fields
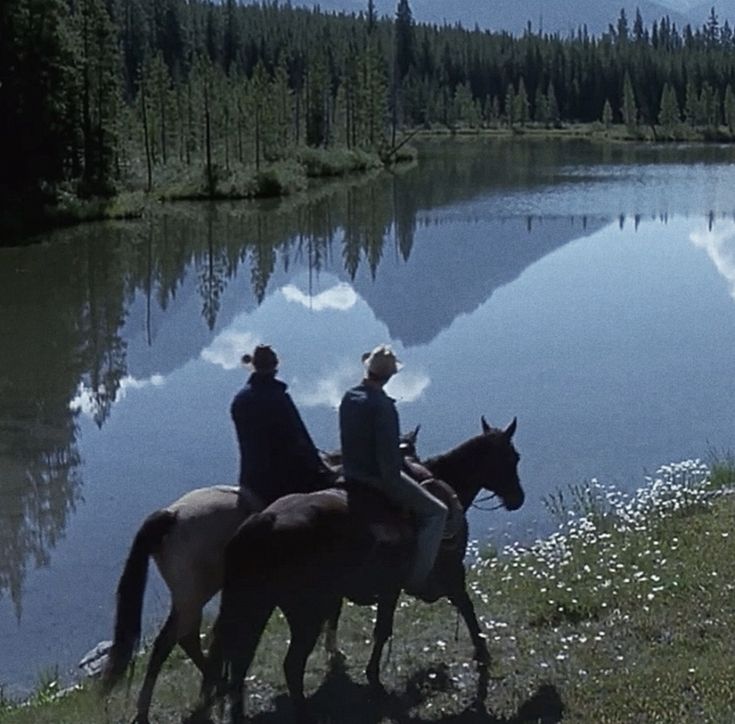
x=130 y=590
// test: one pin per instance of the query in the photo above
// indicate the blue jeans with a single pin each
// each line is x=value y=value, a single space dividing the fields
x=430 y=515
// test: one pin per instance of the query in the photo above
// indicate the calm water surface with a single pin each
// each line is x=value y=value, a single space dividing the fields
x=588 y=291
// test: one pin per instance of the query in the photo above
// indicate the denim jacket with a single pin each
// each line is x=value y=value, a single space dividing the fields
x=369 y=432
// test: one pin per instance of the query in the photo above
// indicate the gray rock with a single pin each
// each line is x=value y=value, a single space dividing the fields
x=94 y=660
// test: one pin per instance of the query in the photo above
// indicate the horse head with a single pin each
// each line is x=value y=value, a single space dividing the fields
x=498 y=464
x=407 y=443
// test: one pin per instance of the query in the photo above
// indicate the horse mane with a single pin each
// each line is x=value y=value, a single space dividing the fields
x=465 y=449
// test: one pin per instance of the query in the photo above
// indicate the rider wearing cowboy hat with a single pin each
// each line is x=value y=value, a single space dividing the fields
x=369 y=432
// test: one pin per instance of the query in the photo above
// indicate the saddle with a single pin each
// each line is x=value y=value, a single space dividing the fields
x=392 y=527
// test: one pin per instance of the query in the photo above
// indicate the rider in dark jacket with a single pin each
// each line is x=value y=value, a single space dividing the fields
x=277 y=454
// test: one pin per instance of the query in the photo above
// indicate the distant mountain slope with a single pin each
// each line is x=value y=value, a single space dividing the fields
x=553 y=16
x=725 y=10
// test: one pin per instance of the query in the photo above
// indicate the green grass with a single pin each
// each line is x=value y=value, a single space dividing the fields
x=280 y=178
x=66 y=209
x=594 y=131
x=625 y=614
x=70 y=209
x=321 y=162
x=178 y=182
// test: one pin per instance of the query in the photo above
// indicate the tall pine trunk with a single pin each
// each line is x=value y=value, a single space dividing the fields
x=146 y=139
x=208 y=141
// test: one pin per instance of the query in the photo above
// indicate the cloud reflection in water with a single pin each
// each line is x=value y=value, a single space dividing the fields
x=719 y=243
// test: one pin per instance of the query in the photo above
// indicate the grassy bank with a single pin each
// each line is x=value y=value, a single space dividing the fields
x=625 y=614
x=597 y=131
x=282 y=178
x=192 y=183
x=25 y=218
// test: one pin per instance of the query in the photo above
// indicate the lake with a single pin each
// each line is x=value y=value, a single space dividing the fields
x=588 y=290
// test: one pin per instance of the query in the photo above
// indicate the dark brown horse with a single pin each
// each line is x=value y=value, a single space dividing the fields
x=305 y=553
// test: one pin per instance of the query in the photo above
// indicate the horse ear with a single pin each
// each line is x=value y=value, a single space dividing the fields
x=485 y=426
x=510 y=430
x=413 y=435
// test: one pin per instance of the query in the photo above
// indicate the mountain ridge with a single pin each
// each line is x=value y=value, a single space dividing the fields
x=562 y=17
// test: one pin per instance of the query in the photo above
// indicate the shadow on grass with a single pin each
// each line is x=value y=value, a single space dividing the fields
x=340 y=700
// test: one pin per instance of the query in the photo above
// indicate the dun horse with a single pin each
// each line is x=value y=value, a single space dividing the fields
x=187 y=541
x=305 y=553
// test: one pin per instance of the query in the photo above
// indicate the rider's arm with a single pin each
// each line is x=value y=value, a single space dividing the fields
x=387 y=444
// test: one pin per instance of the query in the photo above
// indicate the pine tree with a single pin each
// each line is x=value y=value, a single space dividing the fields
x=37 y=92
x=730 y=109
x=100 y=73
x=464 y=105
x=510 y=105
x=372 y=17
x=404 y=39
x=522 y=111
x=317 y=92
x=669 y=114
x=708 y=111
x=160 y=87
x=712 y=29
x=282 y=110
x=629 y=109
x=231 y=38
x=621 y=30
x=691 y=104
x=607 y=115
x=260 y=96
x=541 y=106
x=554 y=114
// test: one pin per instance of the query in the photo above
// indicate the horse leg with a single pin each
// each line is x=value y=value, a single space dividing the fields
x=330 y=636
x=240 y=653
x=162 y=647
x=463 y=603
x=169 y=635
x=192 y=644
x=382 y=632
x=305 y=622
x=236 y=635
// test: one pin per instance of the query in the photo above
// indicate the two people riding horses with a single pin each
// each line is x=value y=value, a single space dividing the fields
x=276 y=449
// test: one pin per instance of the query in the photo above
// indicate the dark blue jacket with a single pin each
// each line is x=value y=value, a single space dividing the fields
x=368 y=425
x=277 y=454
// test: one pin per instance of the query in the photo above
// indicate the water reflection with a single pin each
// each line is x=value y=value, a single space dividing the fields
x=719 y=243
x=75 y=309
x=508 y=278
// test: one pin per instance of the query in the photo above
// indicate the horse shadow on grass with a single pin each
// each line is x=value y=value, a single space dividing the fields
x=340 y=700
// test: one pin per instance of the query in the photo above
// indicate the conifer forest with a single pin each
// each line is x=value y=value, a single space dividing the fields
x=94 y=92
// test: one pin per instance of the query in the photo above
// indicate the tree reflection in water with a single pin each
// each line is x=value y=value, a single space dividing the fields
x=63 y=309
x=64 y=306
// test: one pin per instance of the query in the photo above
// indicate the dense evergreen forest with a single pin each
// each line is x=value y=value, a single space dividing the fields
x=98 y=92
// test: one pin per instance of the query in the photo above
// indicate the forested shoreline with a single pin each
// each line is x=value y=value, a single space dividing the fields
x=204 y=99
